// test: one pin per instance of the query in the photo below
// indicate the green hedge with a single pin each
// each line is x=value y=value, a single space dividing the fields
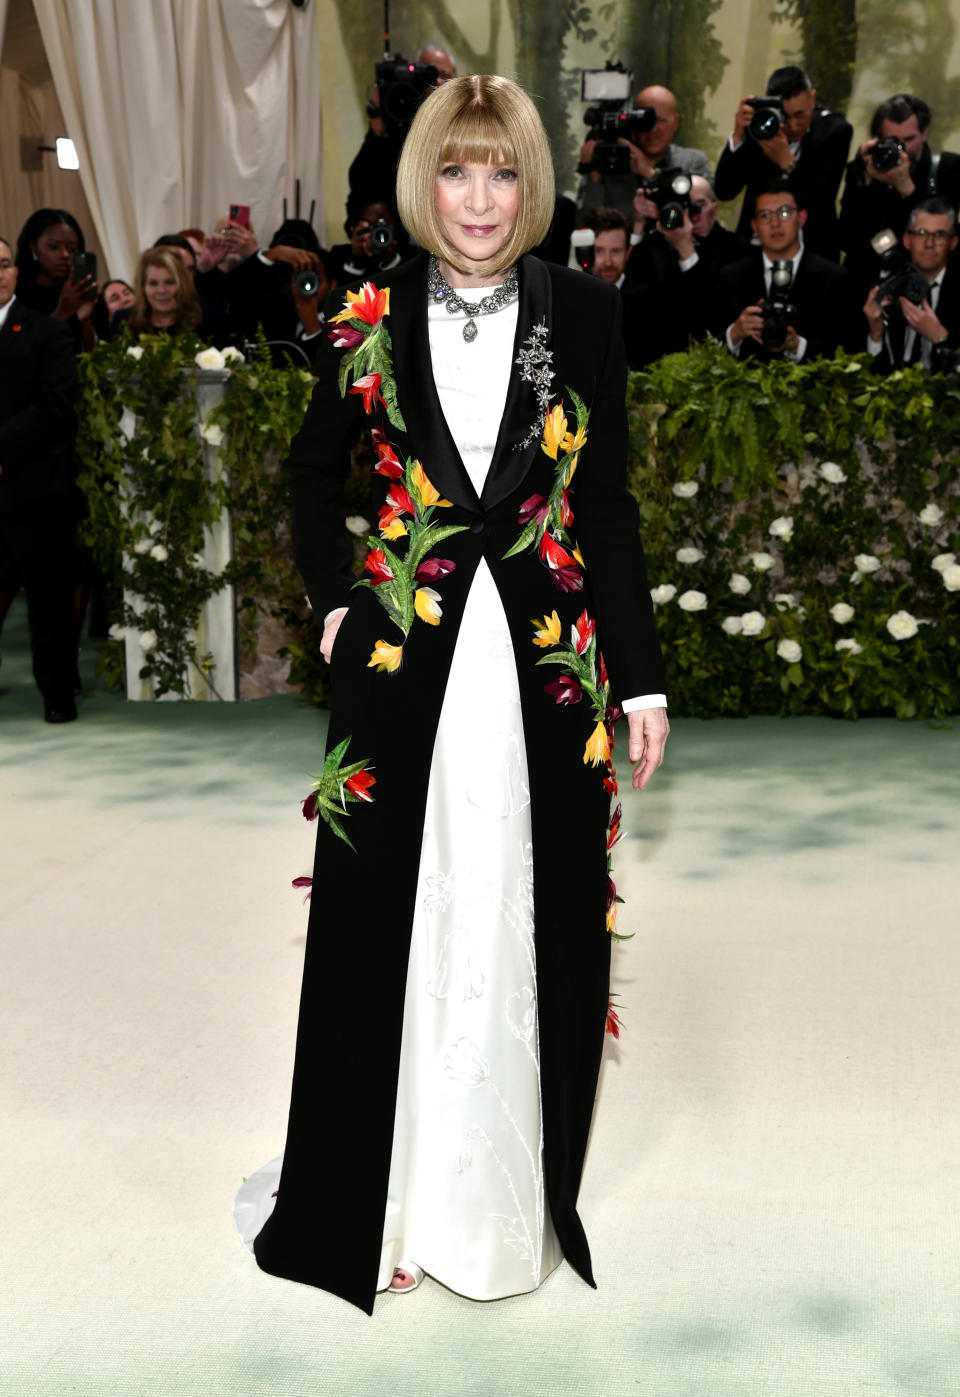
x=810 y=493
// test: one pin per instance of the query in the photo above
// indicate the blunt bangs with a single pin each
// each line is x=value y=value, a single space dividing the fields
x=480 y=120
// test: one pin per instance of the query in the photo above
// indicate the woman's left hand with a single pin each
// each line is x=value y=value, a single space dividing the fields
x=649 y=728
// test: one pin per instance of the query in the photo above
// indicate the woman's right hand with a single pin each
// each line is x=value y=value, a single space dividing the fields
x=77 y=298
x=330 y=631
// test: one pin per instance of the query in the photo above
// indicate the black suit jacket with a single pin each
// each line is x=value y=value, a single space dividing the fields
x=827 y=314
x=665 y=308
x=38 y=388
x=867 y=208
x=948 y=313
x=816 y=179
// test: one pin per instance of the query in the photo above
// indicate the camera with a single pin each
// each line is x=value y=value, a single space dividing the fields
x=898 y=276
x=402 y=86
x=767 y=117
x=778 y=311
x=381 y=234
x=307 y=283
x=944 y=360
x=670 y=191
x=609 y=88
x=885 y=155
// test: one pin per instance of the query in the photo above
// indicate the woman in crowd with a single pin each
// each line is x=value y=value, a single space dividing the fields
x=165 y=298
x=114 y=295
x=456 y=980
x=48 y=243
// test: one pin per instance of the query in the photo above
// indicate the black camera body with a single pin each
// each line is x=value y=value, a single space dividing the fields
x=767 y=117
x=778 y=310
x=897 y=276
x=402 y=86
x=607 y=126
x=885 y=155
x=670 y=191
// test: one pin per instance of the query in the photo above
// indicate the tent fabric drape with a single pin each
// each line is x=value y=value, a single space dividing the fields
x=179 y=110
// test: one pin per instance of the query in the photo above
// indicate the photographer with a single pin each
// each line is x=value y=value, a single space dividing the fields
x=377 y=242
x=891 y=173
x=908 y=316
x=652 y=150
x=678 y=266
x=806 y=142
x=783 y=301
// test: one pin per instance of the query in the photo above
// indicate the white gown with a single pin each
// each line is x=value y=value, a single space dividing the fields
x=466 y=1198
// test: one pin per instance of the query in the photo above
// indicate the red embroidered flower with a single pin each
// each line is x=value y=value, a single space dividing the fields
x=303 y=883
x=533 y=508
x=613 y=1024
x=346 y=337
x=377 y=566
x=400 y=500
x=360 y=783
x=388 y=463
x=369 y=386
x=432 y=569
x=583 y=632
x=566 y=690
x=309 y=806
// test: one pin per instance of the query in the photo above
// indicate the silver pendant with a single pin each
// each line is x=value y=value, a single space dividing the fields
x=470 y=331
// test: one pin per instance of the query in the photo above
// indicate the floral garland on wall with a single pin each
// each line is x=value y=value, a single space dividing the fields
x=802 y=533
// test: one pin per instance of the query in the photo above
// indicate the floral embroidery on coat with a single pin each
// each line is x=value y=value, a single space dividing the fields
x=547 y=519
x=362 y=333
x=335 y=788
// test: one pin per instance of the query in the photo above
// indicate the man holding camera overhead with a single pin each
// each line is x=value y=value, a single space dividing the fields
x=784 y=301
x=786 y=133
x=888 y=177
x=650 y=151
x=915 y=306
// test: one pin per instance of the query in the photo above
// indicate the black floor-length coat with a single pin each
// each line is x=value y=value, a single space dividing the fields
x=328 y=1223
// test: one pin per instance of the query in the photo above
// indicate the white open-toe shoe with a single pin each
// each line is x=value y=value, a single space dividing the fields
x=409 y=1275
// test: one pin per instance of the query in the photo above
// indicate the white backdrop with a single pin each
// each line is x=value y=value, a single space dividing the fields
x=179 y=108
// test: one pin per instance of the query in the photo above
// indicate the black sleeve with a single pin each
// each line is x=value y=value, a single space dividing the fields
x=820 y=171
x=733 y=170
x=46 y=418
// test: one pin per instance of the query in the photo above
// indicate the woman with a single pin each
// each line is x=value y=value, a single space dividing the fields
x=114 y=295
x=456 y=977
x=165 y=301
x=48 y=242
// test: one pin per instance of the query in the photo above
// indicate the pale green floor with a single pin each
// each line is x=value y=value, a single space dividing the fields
x=774 y=1177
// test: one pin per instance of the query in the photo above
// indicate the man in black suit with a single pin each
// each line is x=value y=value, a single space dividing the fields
x=822 y=313
x=811 y=147
x=38 y=386
x=901 y=332
x=677 y=268
x=875 y=199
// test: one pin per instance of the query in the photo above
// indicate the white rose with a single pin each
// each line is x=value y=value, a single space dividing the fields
x=842 y=612
x=685 y=489
x=692 y=601
x=789 y=650
x=931 y=515
x=850 y=645
x=783 y=601
x=357 y=524
x=209 y=359
x=231 y=353
x=865 y=563
x=943 y=560
x=143 y=545
x=689 y=555
x=951 y=577
x=832 y=473
x=158 y=553
x=662 y=594
x=763 y=562
x=752 y=622
x=135 y=351
x=902 y=625
x=739 y=584
x=782 y=528
x=213 y=434
x=148 y=640
x=733 y=625
x=117 y=632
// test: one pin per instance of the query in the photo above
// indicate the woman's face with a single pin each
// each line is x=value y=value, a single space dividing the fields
x=117 y=295
x=160 y=289
x=55 y=249
x=477 y=206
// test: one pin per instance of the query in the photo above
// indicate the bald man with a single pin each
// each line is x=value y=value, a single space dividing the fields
x=650 y=152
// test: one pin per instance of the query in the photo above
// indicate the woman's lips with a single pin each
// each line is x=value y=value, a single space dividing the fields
x=479 y=230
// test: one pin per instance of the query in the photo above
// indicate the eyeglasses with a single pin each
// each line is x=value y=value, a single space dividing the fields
x=784 y=212
x=941 y=237
x=698 y=205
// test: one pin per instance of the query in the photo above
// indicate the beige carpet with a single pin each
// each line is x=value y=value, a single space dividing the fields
x=774 y=1177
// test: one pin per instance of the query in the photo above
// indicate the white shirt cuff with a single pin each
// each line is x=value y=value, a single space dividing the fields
x=332 y=615
x=874 y=347
x=732 y=144
x=799 y=352
x=635 y=705
x=262 y=257
x=687 y=262
x=733 y=348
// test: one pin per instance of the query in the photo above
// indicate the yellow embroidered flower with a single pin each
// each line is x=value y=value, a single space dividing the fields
x=579 y=557
x=370 y=305
x=571 y=467
x=573 y=441
x=426 y=603
x=554 y=430
x=597 y=749
x=548 y=632
x=428 y=492
x=395 y=529
x=384 y=656
x=612 y=918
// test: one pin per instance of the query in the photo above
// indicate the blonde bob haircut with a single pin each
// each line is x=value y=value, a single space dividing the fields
x=484 y=121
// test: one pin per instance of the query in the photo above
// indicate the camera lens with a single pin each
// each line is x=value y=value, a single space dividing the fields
x=886 y=154
x=671 y=216
x=307 y=283
x=381 y=234
x=764 y=124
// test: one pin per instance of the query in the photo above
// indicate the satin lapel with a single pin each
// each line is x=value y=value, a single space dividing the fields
x=510 y=464
x=427 y=429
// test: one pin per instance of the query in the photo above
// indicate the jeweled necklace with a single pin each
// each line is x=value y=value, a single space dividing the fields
x=442 y=293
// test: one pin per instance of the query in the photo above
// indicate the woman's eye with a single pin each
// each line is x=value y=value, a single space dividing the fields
x=451 y=172
x=506 y=174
